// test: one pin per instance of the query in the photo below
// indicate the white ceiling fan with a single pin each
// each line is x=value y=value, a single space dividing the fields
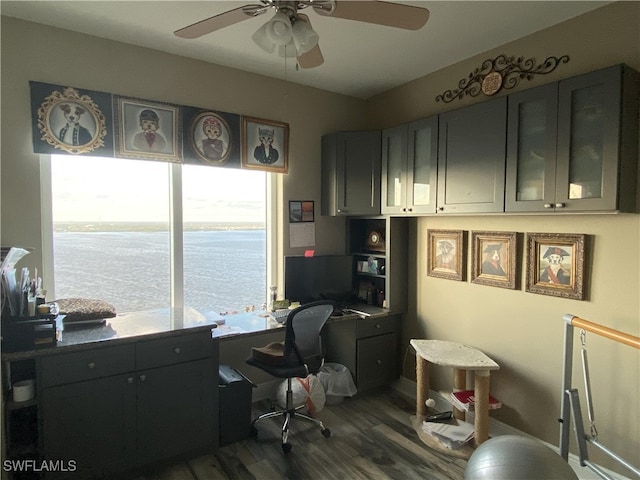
x=291 y=31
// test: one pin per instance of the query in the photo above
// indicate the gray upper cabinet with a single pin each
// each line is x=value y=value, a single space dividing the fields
x=531 y=149
x=409 y=168
x=351 y=173
x=573 y=145
x=471 y=158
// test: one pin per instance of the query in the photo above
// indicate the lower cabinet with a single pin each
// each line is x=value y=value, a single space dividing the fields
x=368 y=347
x=126 y=419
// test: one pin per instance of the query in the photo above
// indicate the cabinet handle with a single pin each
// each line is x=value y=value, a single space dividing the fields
x=379 y=362
x=142 y=377
x=176 y=350
x=91 y=365
x=404 y=209
x=560 y=205
x=378 y=325
x=411 y=209
x=548 y=205
x=129 y=379
x=440 y=209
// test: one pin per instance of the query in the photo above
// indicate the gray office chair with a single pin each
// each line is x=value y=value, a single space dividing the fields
x=300 y=355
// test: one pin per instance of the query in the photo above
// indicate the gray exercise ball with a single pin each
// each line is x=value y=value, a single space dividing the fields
x=511 y=457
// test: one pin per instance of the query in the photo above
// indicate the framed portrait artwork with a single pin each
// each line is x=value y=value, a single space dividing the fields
x=265 y=145
x=555 y=264
x=147 y=130
x=211 y=138
x=494 y=259
x=71 y=122
x=445 y=254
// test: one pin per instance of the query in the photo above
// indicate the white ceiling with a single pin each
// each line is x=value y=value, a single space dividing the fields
x=361 y=59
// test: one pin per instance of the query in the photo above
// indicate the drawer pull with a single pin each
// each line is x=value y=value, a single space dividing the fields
x=379 y=362
x=91 y=365
x=129 y=379
x=142 y=377
x=378 y=325
x=548 y=205
x=176 y=350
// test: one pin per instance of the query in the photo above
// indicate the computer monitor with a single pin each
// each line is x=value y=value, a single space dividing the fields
x=321 y=277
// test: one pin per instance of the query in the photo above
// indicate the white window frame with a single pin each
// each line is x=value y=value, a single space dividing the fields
x=272 y=221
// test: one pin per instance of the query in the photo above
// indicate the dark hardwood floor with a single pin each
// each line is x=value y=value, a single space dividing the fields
x=371 y=438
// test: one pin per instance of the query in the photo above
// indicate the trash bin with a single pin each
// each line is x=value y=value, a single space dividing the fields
x=234 y=396
x=337 y=382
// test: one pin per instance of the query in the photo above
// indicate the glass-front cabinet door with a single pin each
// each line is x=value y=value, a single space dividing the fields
x=422 y=165
x=531 y=149
x=394 y=170
x=409 y=168
x=573 y=145
x=589 y=124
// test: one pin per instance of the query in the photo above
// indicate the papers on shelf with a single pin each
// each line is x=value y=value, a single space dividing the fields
x=465 y=400
x=451 y=435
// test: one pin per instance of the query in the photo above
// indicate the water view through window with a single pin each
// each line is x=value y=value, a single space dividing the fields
x=111 y=221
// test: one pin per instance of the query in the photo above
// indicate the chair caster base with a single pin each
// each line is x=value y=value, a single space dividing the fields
x=326 y=433
x=286 y=447
x=253 y=432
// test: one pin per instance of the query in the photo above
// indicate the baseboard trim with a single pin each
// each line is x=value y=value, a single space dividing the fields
x=408 y=389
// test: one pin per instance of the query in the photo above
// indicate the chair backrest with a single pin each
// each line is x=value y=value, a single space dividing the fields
x=302 y=336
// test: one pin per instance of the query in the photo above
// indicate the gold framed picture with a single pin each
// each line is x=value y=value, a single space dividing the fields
x=71 y=122
x=555 y=264
x=265 y=145
x=445 y=254
x=147 y=130
x=494 y=259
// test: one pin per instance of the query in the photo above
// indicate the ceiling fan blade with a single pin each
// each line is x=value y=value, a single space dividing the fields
x=382 y=13
x=313 y=58
x=222 y=20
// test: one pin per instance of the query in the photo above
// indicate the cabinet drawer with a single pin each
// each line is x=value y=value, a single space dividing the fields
x=80 y=366
x=377 y=361
x=370 y=326
x=176 y=349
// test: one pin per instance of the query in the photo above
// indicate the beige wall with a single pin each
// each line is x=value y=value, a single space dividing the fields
x=523 y=332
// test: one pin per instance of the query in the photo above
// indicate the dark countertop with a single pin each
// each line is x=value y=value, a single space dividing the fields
x=160 y=323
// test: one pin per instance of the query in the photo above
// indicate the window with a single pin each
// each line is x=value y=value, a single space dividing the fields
x=144 y=235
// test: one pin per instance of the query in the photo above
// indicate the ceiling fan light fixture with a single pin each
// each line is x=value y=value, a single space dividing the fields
x=304 y=37
x=279 y=29
x=261 y=39
x=288 y=50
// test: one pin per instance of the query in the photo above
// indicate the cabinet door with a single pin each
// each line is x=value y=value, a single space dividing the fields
x=394 y=170
x=422 y=166
x=176 y=406
x=351 y=173
x=531 y=149
x=377 y=361
x=589 y=141
x=359 y=173
x=339 y=339
x=91 y=423
x=471 y=158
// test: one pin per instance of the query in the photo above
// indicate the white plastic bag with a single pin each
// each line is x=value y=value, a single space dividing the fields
x=337 y=382
x=307 y=391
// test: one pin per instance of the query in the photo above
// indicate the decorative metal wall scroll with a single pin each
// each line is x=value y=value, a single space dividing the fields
x=500 y=72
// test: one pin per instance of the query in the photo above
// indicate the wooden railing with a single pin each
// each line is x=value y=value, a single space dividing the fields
x=570 y=403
